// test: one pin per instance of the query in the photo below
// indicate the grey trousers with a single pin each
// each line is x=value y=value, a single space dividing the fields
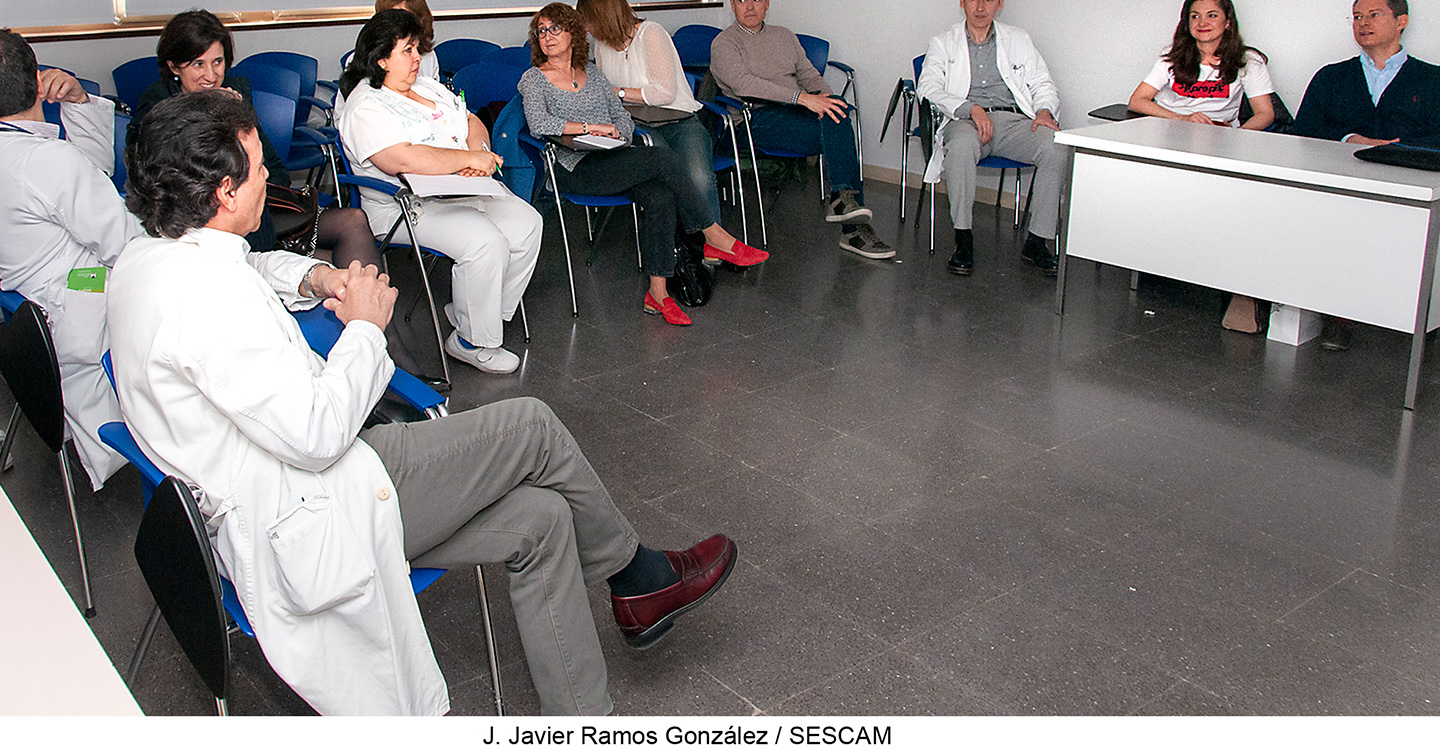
x=1013 y=140
x=507 y=483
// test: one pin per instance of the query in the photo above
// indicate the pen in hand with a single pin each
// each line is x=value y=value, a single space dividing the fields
x=486 y=148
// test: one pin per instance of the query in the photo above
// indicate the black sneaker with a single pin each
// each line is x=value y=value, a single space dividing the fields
x=845 y=208
x=1039 y=255
x=962 y=263
x=861 y=240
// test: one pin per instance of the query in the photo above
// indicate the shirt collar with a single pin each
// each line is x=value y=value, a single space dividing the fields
x=1396 y=60
x=42 y=128
x=232 y=244
x=757 y=32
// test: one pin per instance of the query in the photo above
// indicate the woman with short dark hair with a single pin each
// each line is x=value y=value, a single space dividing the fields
x=429 y=62
x=396 y=121
x=565 y=94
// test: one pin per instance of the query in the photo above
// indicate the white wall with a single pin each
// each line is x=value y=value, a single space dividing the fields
x=95 y=59
x=1097 y=50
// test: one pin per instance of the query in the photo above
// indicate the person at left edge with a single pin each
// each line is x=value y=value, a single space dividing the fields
x=314 y=518
x=60 y=214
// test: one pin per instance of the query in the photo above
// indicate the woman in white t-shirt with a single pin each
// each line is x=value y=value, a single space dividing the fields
x=395 y=121
x=1207 y=72
x=640 y=61
x=1202 y=79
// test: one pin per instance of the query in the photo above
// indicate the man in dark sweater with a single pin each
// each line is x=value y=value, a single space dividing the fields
x=756 y=60
x=1381 y=96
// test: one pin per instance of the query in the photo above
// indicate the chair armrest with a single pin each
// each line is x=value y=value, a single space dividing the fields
x=533 y=142
x=842 y=67
x=117 y=436
x=10 y=302
x=308 y=136
x=414 y=392
x=380 y=186
x=322 y=329
x=331 y=85
x=317 y=102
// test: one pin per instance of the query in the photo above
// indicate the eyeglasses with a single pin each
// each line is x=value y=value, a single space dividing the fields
x=1373 y=16
x=552 y=30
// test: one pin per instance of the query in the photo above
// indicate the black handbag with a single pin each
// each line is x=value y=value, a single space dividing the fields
x=296 y=216
x=693 y=283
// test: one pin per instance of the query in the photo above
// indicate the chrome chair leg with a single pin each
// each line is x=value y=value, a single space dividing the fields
x=429 y=295
x=221 y=707
x=140 y=648
x=932 y=219
x=75 y=520
x=823 y=194
x=589 y=227
x=490 y=641
x=524 y=321
x=755 y=167
x=639 y=256
x=564 y=234
x=9 y=437
x=738 y=179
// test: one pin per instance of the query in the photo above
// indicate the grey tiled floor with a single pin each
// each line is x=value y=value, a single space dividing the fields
x=947 y=499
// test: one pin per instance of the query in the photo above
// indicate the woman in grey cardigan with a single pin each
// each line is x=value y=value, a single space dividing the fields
x=565 y=95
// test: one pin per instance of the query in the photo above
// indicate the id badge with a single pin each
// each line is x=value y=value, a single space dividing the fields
x=88 y=280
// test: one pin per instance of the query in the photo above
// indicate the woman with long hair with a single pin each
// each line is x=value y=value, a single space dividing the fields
x=1207 y=71
x=641 y=62
x=195 y=53
x=565 y=94
x=396 y=121
x=1202 y=79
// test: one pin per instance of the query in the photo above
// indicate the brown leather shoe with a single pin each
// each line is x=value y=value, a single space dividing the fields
x=644 y=619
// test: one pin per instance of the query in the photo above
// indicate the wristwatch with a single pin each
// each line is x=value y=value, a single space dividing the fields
x=621 y=93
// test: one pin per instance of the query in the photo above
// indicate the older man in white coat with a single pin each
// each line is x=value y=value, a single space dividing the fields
x=59 y=214
x=993 y=89
x=315 y=518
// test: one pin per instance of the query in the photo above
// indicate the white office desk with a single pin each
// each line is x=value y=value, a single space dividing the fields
x=1292 y=220
x=50 y=662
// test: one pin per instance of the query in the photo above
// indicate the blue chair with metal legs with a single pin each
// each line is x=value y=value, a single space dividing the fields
x=307 y=149
x=693 y=42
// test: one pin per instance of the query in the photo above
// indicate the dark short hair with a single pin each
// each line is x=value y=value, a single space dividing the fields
x=569 y=19
x=1398 y=7
x=421 y=11
x=18 y=85
x=187 y=36
x=376 y=41
x=181 y=153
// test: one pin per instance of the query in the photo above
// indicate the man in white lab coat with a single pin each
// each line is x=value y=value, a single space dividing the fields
x=995 y=93
x=313 y=517
x=60 y=216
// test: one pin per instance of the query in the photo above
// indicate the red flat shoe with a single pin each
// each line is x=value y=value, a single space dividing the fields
x=740 y=254
x=667 y=309
x=702 y=569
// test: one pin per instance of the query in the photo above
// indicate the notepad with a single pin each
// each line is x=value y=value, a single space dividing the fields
x=599 y=141
x=442 y=185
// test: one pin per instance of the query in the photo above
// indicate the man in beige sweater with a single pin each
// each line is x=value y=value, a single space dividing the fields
x=755 y=60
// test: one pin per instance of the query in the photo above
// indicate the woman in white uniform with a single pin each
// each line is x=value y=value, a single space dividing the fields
x=396 y=121
x=1203 y=79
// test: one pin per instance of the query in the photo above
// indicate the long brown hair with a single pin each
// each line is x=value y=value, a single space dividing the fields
x=569 y=20
x=1184 y=54
x=610 y=21
x=422 y=13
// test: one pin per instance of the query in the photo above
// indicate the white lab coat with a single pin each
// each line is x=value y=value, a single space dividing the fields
x=945 y=78
x=59 y=211
x=219 y=388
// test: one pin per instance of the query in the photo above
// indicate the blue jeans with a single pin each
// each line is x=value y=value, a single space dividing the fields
x=696 y=148
x=794 y=128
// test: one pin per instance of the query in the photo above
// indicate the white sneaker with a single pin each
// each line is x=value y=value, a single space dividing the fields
x=491 y=359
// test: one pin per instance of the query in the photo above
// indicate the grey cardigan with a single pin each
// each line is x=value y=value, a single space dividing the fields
x=548 y=108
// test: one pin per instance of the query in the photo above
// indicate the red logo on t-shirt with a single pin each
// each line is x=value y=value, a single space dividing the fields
x=1203 y=90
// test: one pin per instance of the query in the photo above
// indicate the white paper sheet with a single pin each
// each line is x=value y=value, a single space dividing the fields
x=599 y=141
x=433 y=185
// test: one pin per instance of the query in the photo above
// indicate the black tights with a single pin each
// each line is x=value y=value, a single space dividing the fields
x=344 y=236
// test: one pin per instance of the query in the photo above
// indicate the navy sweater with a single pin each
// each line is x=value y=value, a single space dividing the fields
x=1337 y=104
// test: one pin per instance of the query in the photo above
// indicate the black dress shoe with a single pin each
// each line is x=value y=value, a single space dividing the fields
x=1039 y=255
x=1335 y=336
x=962 y=263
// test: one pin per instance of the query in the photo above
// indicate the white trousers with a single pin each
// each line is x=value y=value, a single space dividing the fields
x=494 y=241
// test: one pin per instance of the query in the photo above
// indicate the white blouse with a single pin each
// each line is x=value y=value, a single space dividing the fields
x=373 y=120
x=650 y=64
